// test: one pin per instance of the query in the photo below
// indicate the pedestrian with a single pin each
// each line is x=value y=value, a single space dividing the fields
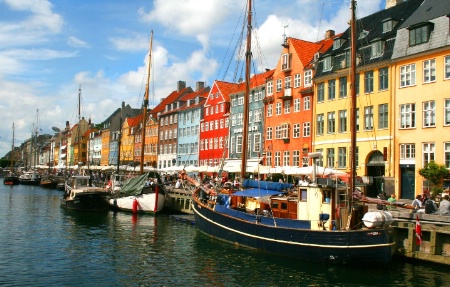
x=391 y=201
x=444 y=206
x=417 y=204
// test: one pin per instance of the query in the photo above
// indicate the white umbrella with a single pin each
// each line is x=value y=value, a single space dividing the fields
x=191 y=168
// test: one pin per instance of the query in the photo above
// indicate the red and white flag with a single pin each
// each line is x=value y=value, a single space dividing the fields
x=418 y=231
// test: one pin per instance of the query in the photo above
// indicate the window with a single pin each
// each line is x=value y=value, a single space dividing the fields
x=428 y=153
x=383 y=119
x=287 y=82
x=269 y=133
x=429 y=114
x=297 y=105
x=368 y=82
x=447 y=67
x=388 y=25
x=285 y=61
x=327 y=63
x=296 y=157
x=342 y=87
x=232 y=146
x=269 y=88
x=447 y=155
x=240 y=119
x=343 y=121
x=279 y=85
x=306 y=129
x=233 y=103
x=377 y=48
x=420 y=34
x=447 y=112
x=429 y=71
x=296 y=131
x=368 y=118
x=257 y=143
x=308 y=78
x=240 y=100
x=331 y=90
x=287 y=106
x=337 y=43
x=331 y=122
x=278 y=108
x=286 y=158
x=297 y=80
x=330 y=157
x=307 y=103
x=320 y=124
x=407 y=116
x=407 y=75
x=277 y=158
x=357 y=76
x=342 y=157
x=269 y=110
x=320 y=92
x=239 y=144
x=407 y=151
x=383 y=79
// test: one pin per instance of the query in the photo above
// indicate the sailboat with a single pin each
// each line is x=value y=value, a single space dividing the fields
x=298 y=223
x=11 y=178
x=80 y=192
x=32 y=177
x=143 y=193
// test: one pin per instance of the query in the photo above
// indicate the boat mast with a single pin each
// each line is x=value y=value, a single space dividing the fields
x=12 y=151
x=248 y=58
x=79 y=123
x=353 y=98
x=147 y=89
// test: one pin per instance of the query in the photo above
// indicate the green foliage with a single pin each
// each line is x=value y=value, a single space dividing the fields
x=434 y=172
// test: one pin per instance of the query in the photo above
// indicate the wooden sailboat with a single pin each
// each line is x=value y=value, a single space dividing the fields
x=298 y=223
x=143 y=193
x=80 y=192
x=11 y=178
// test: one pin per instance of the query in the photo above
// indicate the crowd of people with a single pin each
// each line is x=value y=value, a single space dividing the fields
x=427 y=204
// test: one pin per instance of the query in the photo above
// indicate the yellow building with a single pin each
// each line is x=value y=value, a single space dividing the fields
x=105 y=147
x=374 y=114
x=129 y=129
x=422 y=102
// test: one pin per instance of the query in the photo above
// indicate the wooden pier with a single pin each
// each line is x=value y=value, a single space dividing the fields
x=179 y=200
x=435 y=246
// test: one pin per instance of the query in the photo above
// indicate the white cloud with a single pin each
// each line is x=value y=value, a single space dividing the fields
x=77 y=43
x=133 y=42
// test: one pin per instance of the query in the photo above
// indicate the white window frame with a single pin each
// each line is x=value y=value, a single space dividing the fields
x=407 y=75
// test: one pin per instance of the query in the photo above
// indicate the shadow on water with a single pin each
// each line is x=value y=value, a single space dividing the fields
x=224 y=264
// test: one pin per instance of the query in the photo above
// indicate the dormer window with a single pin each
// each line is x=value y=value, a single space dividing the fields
x=327 y=63
x=337 y=43
x=388 y=25
x=285 y=62
x=316 y=56
x=377 y=48
x=196 y=100
x=420 y=33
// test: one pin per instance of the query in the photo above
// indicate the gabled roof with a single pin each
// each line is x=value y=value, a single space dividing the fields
x=306 y=50
x=373 y=24
x=134 y=121
x=255 y=81
x=226 y=88
x=173 y=97
x=430 y=9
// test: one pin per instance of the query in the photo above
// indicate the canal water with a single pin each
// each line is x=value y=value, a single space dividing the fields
x=44 y=245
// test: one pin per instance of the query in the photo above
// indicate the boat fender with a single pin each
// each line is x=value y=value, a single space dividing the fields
x=377 y=219
x=135 y=205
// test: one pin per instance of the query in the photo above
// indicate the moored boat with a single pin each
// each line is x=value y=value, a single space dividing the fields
x=144 y=193
x=30 y=178
x=11 y=179
x=81 y=194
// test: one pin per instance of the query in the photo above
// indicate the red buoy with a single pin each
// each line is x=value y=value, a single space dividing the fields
x=135 y=205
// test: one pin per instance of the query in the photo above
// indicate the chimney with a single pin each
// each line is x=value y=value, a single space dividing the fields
x=181 y=85
x=329 y=34
x=392 y=3
x=67 y=125
x=199 y=86
x=123 y=105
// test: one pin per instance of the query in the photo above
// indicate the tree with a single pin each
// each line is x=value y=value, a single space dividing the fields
x=434 y=173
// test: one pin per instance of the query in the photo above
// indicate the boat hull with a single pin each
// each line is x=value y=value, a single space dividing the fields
x=11 y=180
x=147 y=203
x=341 y=247
x=30 y=181
x=93 y=201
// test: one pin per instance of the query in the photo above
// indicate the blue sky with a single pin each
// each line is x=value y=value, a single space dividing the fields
x=49 y=48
